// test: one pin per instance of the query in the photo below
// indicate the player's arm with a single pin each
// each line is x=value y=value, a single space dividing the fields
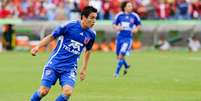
x=116 y=24
x=42 y=43
x=137 y=23
x=136 y=29
x=117 y=27
x=83 y=70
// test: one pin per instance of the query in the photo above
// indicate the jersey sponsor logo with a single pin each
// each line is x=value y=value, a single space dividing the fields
x=74 y=47
x=125 y=25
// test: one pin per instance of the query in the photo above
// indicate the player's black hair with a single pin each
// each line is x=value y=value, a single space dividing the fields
x=87 y=10
x=123 y=5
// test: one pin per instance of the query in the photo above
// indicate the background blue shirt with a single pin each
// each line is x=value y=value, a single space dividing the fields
x=128 y=22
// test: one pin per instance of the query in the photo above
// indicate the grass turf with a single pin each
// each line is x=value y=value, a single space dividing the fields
x=153 y=76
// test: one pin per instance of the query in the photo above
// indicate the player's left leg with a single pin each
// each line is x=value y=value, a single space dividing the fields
x=67 y=81
x=126 y=70
x=126 y=65
x=126 y=49
x=66 y=93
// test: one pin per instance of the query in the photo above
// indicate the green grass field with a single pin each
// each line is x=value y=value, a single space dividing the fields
x=153 y=76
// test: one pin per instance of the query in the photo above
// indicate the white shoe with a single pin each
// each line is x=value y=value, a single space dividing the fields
x=116 y=75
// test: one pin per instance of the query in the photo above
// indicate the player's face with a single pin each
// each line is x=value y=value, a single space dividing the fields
x=129 y=7
x=90 y=21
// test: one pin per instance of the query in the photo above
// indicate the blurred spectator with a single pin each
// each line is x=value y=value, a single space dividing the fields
x=98 y=5
x=140 y=9
x=74 y=10
x=8 y=37
x=193 y=44
x=11 y=7
x=163 y=10
x=196 y=9
x=106 y=10
x=51 y=8
x=4 y=13
x=83 y=3
x=19 y=11
x=70 y=9
x=182 y=9
x=162 y=44
x=114 y=7
x=41 y=11
x=30 y=10
x=60 y=12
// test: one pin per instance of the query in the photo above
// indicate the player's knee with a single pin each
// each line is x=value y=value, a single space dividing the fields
x=120 y=57
x=67 y=91
x=43 y=91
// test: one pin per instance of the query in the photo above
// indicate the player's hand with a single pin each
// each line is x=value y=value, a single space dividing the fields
x=34 y=51
x=134 y=31
x=82 y=75
x=119 y=28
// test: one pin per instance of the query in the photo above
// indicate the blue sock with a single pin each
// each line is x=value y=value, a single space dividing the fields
x=36 y=96
x=120 y=63
x=125 y=63
x=62 y=97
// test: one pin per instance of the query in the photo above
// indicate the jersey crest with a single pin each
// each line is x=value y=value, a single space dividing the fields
x=86 y=40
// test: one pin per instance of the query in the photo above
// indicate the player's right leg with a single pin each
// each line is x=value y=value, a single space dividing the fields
x=49 y=78
x=38 y=95
x=125 y=49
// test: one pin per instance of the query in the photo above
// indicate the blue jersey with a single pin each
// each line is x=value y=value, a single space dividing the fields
x=71 y=41
x=128 y=22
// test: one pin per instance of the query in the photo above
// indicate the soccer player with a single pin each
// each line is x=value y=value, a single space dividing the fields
x=126 y=23
x=73 y=37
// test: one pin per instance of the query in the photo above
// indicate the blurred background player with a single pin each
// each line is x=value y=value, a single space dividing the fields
x=194 y=44
x=162 y=44
x=126 y=23
x=8 y=37
x=62 y=64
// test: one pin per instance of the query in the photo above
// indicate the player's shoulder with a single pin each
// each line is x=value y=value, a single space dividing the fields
x=119 y=14
x=92 y=31
x=135 y=15
x=69 y=23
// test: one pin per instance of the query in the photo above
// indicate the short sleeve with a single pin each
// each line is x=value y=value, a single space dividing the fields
x=116 y=20
x=91 y=41
x=90 y=45
x=137 y=19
